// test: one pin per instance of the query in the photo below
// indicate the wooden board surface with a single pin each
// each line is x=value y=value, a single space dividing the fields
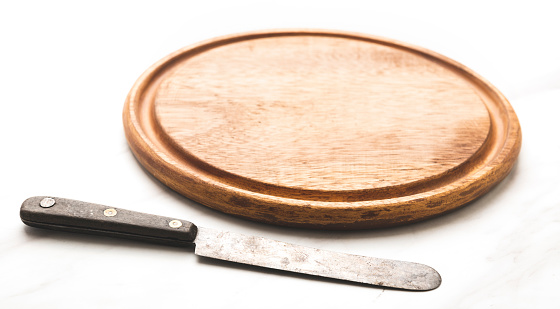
x=320 y=129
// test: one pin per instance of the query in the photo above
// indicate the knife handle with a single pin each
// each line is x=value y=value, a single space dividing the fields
x=76 y=216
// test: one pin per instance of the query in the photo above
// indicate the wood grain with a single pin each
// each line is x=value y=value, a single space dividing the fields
x=320 y=129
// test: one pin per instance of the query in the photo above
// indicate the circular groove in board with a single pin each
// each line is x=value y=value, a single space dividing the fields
x=320 y=129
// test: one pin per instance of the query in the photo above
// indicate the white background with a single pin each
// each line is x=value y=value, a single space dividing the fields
x=66 y=68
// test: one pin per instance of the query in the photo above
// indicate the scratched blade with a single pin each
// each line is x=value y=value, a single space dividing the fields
x=289 y=257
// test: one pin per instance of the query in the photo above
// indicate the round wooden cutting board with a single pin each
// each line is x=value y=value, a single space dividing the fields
x=320 y=129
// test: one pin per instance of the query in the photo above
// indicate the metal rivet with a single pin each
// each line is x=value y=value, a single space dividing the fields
x=175 y=224
x=47 y=202
x=110 y=212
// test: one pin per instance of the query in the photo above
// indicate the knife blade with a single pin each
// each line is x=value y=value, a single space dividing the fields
x=77 y=216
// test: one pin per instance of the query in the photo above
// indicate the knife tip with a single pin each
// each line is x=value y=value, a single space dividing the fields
x=431 y=281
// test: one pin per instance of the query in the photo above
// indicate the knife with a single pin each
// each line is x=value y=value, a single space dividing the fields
x=76 y=216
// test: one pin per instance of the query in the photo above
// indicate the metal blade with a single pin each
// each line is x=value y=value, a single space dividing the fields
x=284 y=256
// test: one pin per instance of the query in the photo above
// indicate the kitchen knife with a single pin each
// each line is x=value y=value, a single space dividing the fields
x=76 y=216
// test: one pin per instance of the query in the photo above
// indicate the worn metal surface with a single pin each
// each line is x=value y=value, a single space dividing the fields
x=284 y=256
x=47 y=202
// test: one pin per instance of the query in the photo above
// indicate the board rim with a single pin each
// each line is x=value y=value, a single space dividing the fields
x=339 y=214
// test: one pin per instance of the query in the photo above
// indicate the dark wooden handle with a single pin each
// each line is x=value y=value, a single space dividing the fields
x=76 y=216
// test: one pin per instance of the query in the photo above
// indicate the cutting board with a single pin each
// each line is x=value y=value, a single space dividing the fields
x=320 y=129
